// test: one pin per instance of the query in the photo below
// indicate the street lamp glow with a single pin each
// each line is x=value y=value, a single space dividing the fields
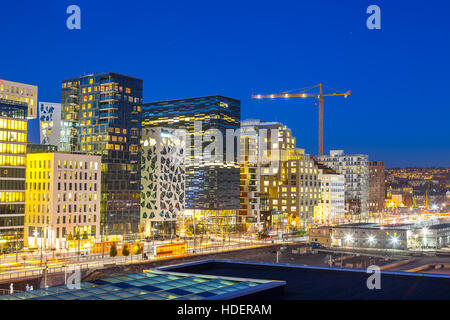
x=394 y=240
x=425 y=231
x=371 y=239
x=348 y=238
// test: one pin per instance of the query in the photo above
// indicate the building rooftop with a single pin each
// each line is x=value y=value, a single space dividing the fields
x=193 y=98
x=101 y=74
x=325 y=283
x=439 y=226
x=154 y=285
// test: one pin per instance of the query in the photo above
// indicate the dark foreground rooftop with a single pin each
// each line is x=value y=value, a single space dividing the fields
x=155 y=285
x=316 y=283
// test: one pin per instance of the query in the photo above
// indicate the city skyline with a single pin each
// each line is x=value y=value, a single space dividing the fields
x=228 y=151
x=206 y=49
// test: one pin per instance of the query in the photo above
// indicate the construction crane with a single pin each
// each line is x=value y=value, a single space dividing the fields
x=316 y=92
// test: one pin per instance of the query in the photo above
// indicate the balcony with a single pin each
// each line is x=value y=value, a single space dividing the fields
x=108 y=98
x=108 y=80
x=108 y=107
x=110 y=115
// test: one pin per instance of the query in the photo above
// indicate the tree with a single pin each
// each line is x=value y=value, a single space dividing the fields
x=137 y=249
x=69 y=237
x=113 y=251
x=125 y=250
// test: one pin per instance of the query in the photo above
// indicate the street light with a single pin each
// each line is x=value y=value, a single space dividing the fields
x=394 y=240
x=17 y=258
x=349 y=238
x=36 y=233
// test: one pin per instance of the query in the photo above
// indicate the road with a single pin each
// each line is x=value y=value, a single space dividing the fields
x=33 y=262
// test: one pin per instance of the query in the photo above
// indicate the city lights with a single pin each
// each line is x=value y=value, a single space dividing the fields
x=161 y=166
x=394 y=240
x=349 y=238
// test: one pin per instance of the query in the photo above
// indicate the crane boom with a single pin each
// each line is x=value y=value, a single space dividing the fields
x=308 y=92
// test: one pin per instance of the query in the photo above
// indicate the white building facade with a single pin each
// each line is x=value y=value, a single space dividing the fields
x=62 y=199
x=50 y=123
x=355 y=169
x=162 y=180
x=331 y=208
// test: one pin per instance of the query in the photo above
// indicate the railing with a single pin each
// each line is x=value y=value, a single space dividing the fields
x=84 y=264
x=109 y=106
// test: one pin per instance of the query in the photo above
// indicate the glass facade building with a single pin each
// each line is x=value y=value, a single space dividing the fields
x=212 y=187
x=13 y=145
x=100 y=115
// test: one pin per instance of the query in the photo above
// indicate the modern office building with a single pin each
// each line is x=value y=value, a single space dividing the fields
x=212 y=180
x=63 y=193
x=50 y=123
x=101 y=116
x=331 y=208
x=20 y=93
x=162 y=180
x=355 y=168
x=13 y=144
x=377 y=189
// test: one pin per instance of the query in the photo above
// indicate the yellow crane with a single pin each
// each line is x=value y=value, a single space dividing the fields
x=316 y=92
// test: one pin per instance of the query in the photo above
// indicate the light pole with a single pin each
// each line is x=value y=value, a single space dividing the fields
x=103 y=243
x=195 y=227
x=36 y=233
x=17 y=258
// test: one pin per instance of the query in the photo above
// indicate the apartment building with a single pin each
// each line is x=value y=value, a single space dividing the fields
x=377 y=188
x=355 y=169
x=331 y=208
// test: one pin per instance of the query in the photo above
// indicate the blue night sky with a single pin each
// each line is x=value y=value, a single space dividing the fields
x=399 y=75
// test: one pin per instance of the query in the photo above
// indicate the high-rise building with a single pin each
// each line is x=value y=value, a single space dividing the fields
x=331 y=208
x=20 y=92
x=162 y=180
x=212 y=186
x=62 y=199
x=288 y=186
x=250 y=167
x=13 y=144
x=355 y=169
x=101 y=116
x=50 y=123
x=377 y=189
x=293 y=190
x=258 y=156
